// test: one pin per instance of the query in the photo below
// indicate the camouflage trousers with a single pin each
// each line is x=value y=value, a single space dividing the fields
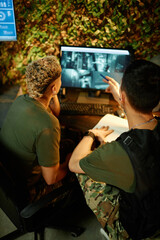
x=103 y=200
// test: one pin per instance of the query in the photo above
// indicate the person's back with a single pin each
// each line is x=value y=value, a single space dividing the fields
x=27 y=132
x=143 y=149
x=126 y=169
x=33 y=134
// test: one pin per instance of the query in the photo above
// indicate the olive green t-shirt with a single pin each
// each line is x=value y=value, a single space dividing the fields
x=110 y=164
x=31 y=132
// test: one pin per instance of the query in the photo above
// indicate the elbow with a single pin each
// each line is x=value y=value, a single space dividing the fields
x=50 y=181
x=75 y=167
x=50 y=174
x=71 y=167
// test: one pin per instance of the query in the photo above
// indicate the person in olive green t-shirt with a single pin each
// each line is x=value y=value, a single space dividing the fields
x=110 y=172
x=33 y=133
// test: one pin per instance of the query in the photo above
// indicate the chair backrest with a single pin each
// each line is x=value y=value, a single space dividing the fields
x=13 y=193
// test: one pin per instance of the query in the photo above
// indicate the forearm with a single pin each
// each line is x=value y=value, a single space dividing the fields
x=82 y=150
x=84 y=147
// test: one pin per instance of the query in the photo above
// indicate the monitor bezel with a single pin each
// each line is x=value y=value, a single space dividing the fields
x=129 y=49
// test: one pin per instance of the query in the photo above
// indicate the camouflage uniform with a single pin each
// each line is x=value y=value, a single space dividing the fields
x=103 y=200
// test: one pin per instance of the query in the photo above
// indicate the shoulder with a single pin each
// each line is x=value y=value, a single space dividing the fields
x=111 y=149
x=18 y=101
x=37 y=117
x=109 y=154
x=110 y=163
x=140 y=138
x=37 y=112
x=50 y=120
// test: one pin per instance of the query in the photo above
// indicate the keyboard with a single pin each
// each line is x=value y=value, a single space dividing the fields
x=73 y=108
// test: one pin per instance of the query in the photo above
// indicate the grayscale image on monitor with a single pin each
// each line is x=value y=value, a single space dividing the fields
x=82 y=66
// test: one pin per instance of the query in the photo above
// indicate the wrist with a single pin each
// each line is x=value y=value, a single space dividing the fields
x=90 y=134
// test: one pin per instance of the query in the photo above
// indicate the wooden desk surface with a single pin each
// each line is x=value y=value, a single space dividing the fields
x=84 y=122
x=81 y=122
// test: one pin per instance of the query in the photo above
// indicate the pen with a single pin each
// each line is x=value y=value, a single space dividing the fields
x=104 y=77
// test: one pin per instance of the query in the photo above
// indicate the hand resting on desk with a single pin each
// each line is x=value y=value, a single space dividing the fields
x=84 y=147
x=101 y=133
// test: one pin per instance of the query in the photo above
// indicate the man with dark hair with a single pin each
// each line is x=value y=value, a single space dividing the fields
x=141 y=84
x=125 y=171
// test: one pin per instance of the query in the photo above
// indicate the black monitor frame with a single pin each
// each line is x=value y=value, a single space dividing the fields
x=82 y=66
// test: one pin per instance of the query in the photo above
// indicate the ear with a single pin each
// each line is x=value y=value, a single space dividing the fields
x=123 y=97
x=54 y=92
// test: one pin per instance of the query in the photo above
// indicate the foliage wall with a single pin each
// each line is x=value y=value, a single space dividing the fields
x=43 y=25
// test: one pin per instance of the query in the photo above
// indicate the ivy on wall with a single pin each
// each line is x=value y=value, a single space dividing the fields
x=44 y=25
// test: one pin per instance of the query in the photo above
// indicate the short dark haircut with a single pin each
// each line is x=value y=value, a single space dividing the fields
x=141 y=82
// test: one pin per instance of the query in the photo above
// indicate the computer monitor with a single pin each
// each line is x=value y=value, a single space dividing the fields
x=82 y=66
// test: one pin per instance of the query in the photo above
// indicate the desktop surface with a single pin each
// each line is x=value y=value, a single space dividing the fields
x=82 y=122
x=85 y=122
x=81 y=103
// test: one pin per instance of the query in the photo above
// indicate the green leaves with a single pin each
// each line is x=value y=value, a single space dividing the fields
x=43 y=25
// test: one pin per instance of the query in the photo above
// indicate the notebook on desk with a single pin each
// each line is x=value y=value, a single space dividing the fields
x=119 y=125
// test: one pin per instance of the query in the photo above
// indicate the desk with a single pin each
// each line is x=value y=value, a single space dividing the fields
x=82 y=122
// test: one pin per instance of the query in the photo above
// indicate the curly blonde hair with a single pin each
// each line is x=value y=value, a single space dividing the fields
x=40 y=74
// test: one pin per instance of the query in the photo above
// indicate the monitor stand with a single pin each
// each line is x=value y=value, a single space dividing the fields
x=93 y=97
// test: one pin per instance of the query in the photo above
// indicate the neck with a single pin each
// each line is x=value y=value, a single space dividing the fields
x=44 y=101
x=140 y=120
x=137 y=119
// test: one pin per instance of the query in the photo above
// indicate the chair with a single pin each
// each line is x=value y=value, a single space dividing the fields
x=32 y=217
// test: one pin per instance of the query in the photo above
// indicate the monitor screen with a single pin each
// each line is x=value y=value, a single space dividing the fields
x=82 y=67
